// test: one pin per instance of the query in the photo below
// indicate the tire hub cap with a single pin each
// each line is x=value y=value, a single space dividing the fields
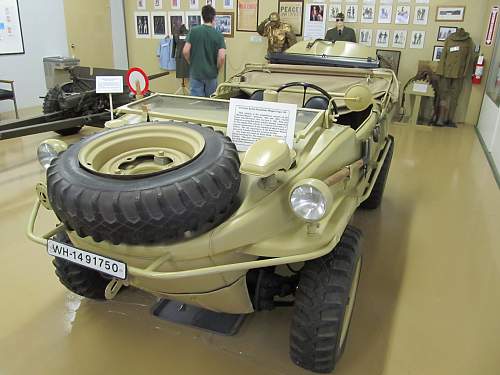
x=140 y=151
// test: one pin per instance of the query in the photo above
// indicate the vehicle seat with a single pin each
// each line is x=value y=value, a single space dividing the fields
x=317 y=102
x=257 y=95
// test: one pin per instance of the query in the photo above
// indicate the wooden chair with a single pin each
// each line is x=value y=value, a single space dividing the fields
x=6 y=94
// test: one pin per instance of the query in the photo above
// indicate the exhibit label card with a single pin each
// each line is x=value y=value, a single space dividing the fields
x=109 y=84
x=251 y=120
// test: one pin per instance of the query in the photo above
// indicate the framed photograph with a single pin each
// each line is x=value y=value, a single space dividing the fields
x=385 y=14
x=224 y=23
x=389 y=59
x=11 y=33
x=403 y=14
x=142 y=26
x=210 y=2
x=399 y=38
x=351 y=13
x=175 y=4
x=193 y=18
x=382 y=38
x=141 y=4
x=367 y=13
x=228 y=4
x=444 y=32
x=158 y=4
x=417 y=39
x=290 y=12
x=421 y=15
x=159 y=24
x=333 y=10
x=317 y=13
x=365 y=37
x=450 y=13
x=175 y=21
x=193 y=4
x=437 y=52
x=247 y=14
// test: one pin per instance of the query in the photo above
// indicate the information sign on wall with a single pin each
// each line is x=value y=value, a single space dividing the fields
x=11 y=35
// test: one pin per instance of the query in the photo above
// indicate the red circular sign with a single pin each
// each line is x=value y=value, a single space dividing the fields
x=137 y=75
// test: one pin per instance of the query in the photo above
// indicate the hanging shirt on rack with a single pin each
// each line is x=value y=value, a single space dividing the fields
x=164 y=52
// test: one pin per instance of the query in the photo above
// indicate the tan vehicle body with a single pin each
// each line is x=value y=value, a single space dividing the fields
x=210 y=270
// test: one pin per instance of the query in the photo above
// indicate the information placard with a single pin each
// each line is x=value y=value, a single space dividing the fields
x=109 y=84
x=11 y=35
x=251 y=120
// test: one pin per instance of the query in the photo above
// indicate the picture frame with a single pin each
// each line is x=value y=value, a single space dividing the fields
x=382 y=38
x=141 y=4
x=175 y=4
x=437 y=52
x=420 y=15
x=175 y=19
x=450 y=13
x=444 y=32
x=158 y=4
x=333 y=10
x=11 y=32
x=224 y=23
x=367 y=13
x=159 y=25
x=403 y=13
x=291 y=12
x=194 y=4
x=210 y=2
x=193 y=18
x=365 y=37
x=417 y=39
x=351 y=13
x=389 y=59
x=399 y=38
x=247 y=15
x=384 y=14
x=142 y=25
x=228 y=4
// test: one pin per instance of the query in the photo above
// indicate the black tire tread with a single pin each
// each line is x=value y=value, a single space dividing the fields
x=375 y=198
x=320 y=303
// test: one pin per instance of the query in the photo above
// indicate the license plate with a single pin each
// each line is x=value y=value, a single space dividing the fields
x=87 y=259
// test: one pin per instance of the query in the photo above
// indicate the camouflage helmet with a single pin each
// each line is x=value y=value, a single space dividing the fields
x=274 y=17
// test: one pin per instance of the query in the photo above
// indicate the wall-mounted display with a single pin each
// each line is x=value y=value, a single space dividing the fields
x=385 y=14
x=228 y=4
x=247 y=15
x=421 y=15
x=175 y=4
x=389 y=59
x=290 y=12
x=382 y=38
x=210 y=2
x=399 y=38
x=367 y=13
x=437 y=52
x=193 y=4
x=403 y=14
x=175 y=20
x=224 y=23
x=314 y=21
x=351 y=13
x=417 y=39
x=450 y=13
x=444 y=32
x=193 y=18
x=158 y=4
x=142 y=29
x=159 y=24
x=141 y=4
x=11 y=34
x=365 y=37
x=333 y=10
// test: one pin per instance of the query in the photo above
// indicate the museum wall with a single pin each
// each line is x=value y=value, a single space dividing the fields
x=247 y=47
x=44 y=34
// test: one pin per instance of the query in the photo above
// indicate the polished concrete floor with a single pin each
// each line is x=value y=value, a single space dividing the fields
x=428 y=303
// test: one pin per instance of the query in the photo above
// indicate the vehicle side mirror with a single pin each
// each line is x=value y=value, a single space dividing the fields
x=266 y=157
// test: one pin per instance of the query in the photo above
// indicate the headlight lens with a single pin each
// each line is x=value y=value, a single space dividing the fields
x=48 y=151
x=308 y=203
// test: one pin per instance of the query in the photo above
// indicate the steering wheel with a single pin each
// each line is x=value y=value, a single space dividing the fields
x=305 y=86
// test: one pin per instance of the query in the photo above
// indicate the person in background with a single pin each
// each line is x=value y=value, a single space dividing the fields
x=340 y=32
x=205 y=51
x=279 y=34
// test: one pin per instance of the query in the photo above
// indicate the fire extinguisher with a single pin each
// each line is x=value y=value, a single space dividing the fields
x=478 y=71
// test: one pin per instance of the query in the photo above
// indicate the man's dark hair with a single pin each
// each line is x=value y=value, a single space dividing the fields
x=208 y=13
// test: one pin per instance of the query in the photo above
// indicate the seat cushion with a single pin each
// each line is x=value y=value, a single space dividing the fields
x=6 y=94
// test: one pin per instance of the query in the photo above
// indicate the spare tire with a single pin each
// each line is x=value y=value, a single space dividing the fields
x=146 y=183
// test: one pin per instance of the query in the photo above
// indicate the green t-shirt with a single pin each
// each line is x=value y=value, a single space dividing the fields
x=205 y=44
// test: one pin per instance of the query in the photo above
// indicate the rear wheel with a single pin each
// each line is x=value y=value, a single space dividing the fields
x=323 y=305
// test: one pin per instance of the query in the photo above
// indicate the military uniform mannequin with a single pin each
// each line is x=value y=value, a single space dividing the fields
x=279 y=34
x=341 y=32
x=452 y=68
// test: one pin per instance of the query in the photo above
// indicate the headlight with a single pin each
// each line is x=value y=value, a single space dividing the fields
x=48 y=151
x=310 y=200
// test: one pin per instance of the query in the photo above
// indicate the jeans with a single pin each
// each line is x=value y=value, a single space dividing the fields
x=203 y=87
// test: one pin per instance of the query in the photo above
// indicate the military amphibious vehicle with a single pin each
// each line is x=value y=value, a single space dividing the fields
x=164 y=201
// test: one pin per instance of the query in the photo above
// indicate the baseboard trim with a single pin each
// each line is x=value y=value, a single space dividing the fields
x=491 y=162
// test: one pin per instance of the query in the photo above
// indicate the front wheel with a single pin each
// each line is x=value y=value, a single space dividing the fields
x=323 y=305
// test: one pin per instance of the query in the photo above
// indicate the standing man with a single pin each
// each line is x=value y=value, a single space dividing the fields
x=205 y=51
x=340 y=32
